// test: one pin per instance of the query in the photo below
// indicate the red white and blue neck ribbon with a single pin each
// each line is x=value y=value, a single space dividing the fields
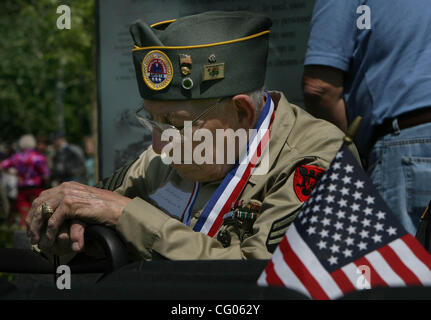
x=232 y=185
x=187 y=213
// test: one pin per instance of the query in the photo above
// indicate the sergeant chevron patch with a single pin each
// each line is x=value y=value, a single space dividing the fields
x=278 y=229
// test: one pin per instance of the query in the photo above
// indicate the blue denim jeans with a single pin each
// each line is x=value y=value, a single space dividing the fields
x=400 y=167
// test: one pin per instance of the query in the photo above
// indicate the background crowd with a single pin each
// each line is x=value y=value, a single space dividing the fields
x=47 y=83
x=30 y=165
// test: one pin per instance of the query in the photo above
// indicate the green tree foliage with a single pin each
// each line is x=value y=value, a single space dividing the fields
x=35 y=57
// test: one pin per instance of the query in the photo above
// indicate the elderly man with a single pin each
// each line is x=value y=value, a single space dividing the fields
x=203 y=72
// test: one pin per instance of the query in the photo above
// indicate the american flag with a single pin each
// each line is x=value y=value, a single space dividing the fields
x=346 y=239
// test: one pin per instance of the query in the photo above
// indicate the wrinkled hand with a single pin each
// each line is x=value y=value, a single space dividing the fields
x=74 y=204
x=70 y=239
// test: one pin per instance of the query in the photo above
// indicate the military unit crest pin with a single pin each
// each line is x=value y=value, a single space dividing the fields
x=157 y=70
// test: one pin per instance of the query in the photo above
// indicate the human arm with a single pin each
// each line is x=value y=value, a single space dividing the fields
x=323 y=89
x=328 y=58
x=76 y=202
x=150 y=230
x=70 y=227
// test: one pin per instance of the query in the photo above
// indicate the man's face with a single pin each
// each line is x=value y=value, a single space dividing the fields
x=223 y=116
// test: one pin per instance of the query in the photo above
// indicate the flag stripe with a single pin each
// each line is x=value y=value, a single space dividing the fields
x=411 y=261
x=342 y=281
x=384 y=269
x=398 y=266
x=314 y=266
x=271 y=275
x=286 y=275
x=301 y=272
x=262 y=281
x=418 y=250
x=312 y=262
x=375 y=278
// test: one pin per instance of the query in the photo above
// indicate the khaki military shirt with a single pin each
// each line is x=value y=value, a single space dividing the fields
x=296 y=139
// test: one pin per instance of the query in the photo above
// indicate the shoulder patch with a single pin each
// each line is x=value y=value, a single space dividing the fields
x=116 y=180
x=305 y=179
x=278 y=229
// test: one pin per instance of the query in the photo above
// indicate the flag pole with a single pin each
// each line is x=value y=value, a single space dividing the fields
x=352 y=130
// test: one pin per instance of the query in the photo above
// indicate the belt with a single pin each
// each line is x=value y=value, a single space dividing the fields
x=406 y=120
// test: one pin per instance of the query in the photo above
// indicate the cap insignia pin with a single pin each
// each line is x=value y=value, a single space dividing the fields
x=187 y=83
x=186 y=63
x=212 y=58
x=213 y=72
x=157 y=70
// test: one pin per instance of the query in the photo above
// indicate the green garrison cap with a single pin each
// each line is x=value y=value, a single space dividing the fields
x=208 y=55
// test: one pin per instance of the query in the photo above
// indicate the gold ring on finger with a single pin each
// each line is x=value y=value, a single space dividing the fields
x=47 y=210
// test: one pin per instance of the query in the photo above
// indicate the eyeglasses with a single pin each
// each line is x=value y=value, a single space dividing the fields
x=146 y=119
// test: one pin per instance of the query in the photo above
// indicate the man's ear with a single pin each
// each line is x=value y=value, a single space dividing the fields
x=246 y=110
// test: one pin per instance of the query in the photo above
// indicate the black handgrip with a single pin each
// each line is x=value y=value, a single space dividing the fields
x=27 y=261
x=111 y=244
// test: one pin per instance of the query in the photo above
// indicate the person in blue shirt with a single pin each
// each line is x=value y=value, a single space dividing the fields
x=372 y=58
